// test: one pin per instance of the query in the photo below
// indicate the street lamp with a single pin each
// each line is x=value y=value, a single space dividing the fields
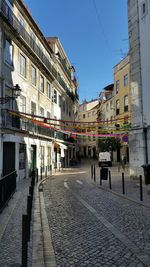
x=16 y=91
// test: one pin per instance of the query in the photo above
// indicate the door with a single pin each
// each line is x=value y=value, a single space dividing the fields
x=8 y=157
x=33 y=158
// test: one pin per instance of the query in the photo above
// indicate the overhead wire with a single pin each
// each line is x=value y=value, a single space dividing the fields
x=101 y=25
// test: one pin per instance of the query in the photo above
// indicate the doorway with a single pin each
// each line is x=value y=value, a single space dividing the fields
x=33 y=158
x=8 y=157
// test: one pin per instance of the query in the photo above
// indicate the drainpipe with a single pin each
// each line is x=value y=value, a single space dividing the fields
x=146 y=147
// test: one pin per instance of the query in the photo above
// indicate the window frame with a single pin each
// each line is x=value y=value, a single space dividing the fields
x=41 y=83
x=55 y=96
x=117 y=108
x=126 y=80
x=117 y=86
x=126 y=107
x=22 y=65
x=33 y=79
x=49 y=90
x=7 y=53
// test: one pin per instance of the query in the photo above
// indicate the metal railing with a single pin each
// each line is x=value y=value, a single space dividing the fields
x=7 y=188
x=10 y=121
x=20 y=30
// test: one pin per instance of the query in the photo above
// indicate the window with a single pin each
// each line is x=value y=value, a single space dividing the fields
x=22 y=65
x=8 y=11
x=33 y=75
x=48 y=90
x=22 y=156
x=55 y=96
x=67 y=108
x=117 y=107
x=144 y=8
x=126 y=80
x=49 y=158
x=107 y=107
x=41 y=83
x=8 y=52
x=64 y=105
x=60 y=101
x=22 y=103
x=42 y=154
x=41 y=111
x=22 y=108
x=32 y=39
x=111 y=104
x=33 y=108
x=70 y=110
x=33 y=127
x=125 y=103
x=117 y=86
x=21 y=25
x=83 y=116
x=48 y=114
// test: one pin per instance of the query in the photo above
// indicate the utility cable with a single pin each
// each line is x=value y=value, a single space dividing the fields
x=101 y=25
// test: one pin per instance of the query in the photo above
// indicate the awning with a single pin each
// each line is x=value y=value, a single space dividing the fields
x=61 y=145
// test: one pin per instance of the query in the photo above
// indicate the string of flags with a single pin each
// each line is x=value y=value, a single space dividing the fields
x=74 y=129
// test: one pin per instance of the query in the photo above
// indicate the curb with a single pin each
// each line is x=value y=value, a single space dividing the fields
x=43 y=254
x=121 y=195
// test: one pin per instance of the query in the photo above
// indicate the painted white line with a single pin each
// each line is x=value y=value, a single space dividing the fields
x=79 y=182
x=66 y=185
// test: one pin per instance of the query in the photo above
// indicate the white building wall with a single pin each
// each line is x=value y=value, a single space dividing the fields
x=144 y=26
x=139 y=43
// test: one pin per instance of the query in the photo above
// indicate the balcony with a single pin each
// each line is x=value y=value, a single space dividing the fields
x=15 y=25
x=14 y=123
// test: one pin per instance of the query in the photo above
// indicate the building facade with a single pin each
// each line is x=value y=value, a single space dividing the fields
x=87 y=114
x=114 y=107
x=30 y=124
x=122 y=107
x=139 y=43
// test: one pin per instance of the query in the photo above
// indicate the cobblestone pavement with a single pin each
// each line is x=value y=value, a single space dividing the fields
x=132 y=187
x=93 y=227
x=11 y=226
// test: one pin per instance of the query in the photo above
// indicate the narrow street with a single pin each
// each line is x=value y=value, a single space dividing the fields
x=93 y=227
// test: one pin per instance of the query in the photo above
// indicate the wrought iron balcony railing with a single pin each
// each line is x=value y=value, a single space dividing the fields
x=14 y=23
x=13 y=122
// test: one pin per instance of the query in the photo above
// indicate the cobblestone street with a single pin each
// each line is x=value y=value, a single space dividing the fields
x=11 y=227
x=93 y=227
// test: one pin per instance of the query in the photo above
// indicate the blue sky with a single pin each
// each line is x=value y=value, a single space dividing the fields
x=94 y=34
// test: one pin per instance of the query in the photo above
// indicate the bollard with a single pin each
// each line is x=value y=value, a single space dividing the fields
x=29 y=206
x=32 y=183
x=37 y=175
x=94 y=173
x=91 y=171
x=24 y=240
x=31 y=191
x=141 y=189
x=41 y=173
x=110 y=179
x=123 y=187
x=100 y=177
x=45 y=171
x=51 y=170
x=29 y=210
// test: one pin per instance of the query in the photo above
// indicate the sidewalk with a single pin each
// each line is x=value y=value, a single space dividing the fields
x=132 y=186
x=11 y=226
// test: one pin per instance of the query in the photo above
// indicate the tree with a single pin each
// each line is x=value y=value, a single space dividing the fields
x=109 y=144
